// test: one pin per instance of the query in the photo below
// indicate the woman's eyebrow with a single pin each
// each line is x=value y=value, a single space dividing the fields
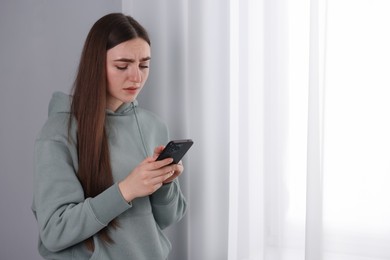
x=132 y=60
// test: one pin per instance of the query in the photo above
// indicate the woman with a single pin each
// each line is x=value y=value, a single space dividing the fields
x=99 y=193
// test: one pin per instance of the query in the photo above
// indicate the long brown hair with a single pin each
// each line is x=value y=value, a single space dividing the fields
x=89 y=105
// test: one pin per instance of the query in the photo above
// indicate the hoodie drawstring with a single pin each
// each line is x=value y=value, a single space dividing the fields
x=139 y=130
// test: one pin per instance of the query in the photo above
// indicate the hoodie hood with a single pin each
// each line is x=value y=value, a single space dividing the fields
x=61 y=103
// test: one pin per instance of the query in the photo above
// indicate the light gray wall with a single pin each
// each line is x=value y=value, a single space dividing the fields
x=40 y=44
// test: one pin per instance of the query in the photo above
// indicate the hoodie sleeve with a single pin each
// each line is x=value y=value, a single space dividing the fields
x=168 y=204
x=64 y=216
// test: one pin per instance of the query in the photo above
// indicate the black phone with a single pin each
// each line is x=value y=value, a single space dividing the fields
x=175 y=149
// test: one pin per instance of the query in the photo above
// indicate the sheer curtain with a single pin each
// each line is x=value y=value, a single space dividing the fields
x=287 y=102
x=356 y=131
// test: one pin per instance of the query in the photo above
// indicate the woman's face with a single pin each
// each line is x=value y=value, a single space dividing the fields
x=127 y=70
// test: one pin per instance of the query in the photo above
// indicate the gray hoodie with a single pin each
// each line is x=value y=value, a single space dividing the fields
x=66 y=218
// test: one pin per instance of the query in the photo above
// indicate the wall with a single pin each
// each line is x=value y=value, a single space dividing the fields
x=40 y=46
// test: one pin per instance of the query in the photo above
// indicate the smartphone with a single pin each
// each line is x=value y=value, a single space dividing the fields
x=175 y=149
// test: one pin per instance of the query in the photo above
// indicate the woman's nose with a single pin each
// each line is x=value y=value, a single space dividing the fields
x=135 y=74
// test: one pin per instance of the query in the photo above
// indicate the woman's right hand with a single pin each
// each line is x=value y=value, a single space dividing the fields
x=146 y=178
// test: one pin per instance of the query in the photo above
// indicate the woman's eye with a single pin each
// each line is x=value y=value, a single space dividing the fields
x=121 y=67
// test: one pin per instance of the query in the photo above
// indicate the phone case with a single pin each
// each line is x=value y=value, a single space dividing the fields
x=175 y=149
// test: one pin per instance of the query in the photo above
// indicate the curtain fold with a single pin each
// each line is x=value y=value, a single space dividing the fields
x=314 y=187
x=246 y=207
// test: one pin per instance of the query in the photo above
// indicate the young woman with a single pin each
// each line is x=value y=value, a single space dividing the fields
x=99 y=192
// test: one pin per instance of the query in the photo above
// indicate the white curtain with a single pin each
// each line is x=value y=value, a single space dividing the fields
x=287 y=102
x=356 y=169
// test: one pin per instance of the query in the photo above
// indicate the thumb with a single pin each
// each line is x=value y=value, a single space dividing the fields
x=157 y=151
x=148 y=160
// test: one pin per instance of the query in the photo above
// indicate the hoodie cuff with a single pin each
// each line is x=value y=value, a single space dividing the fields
x=109 y=204
x=165 y=194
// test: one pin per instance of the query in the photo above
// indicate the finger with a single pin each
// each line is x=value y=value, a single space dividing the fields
x=179 y=168
x=157 y=186
x=177 y=172
x=157 y=151
x=154 y=165
x=161 y=178
x=158 y=164
x=148 y=160
x=168 y=175
x=163 y=173
x=171 y=178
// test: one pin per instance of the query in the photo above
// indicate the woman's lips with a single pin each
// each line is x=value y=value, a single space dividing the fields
x=131 y=89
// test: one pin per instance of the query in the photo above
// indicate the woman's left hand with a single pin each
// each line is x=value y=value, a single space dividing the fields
x=178 y=168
